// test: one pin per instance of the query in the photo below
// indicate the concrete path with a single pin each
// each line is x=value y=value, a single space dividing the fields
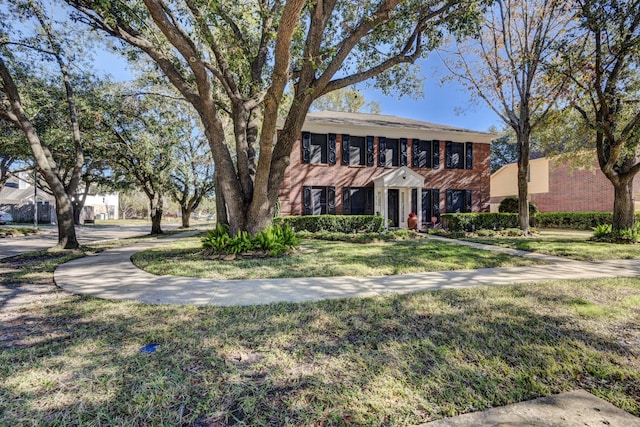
x=574 y=409
x=111 y=275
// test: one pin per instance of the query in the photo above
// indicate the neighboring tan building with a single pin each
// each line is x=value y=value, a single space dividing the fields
x=555 y=186
x=352 y=163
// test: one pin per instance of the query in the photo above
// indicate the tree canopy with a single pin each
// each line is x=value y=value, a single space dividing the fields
x=235 y=59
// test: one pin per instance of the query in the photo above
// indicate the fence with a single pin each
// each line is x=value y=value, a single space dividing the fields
x=24 y=213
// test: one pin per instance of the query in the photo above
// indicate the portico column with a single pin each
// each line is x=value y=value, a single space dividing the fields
x=385 y=204
x=419 y=207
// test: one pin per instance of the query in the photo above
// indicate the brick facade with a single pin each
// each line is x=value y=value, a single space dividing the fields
x=299 y=174
x=574 y=190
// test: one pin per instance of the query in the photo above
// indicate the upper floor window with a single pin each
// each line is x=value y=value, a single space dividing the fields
x=318 y=148
x=426 y=154
x=356 y=150
x=459 y=155
x=392 y=152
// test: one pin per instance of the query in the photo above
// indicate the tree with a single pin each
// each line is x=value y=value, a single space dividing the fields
x=349 y=100
x=235 y=59
x=508 y=67
x=192 y=176
x=50 y=46
x=145 y=130
x=14 y=151
x=606 y=80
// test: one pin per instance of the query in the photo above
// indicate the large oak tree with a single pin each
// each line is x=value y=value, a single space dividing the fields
x=606 y=80
x=236 y=59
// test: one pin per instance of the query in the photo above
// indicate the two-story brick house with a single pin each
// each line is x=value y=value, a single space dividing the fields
x=352 y=163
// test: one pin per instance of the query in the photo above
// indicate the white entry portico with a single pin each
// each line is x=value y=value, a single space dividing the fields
x=392 y=194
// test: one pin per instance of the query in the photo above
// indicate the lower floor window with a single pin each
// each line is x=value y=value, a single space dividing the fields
x=430 y=203
x=458 y=201
x=319 y=200
x=357 y=201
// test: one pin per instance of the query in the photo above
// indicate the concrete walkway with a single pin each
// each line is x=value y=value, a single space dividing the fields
x=111 y=275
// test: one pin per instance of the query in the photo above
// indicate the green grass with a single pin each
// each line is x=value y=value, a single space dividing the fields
x=575 y=245
x=396 y=360
x=16 y=231
x=319 y=258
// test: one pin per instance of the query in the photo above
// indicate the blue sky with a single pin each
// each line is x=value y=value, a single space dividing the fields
x=447 y=104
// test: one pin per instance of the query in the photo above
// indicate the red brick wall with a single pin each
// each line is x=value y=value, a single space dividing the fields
x=572 y=190
x=299 y=174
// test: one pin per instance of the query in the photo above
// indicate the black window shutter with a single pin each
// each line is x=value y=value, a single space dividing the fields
x=306 y=146
x=306 y=202
x=368 y=201
x=332 y=148
x=436 y=154
x=382 y=151
x=415 y=153
x=447 y=157
x=469 y=155
x=467 y=201
x=345 y=149
x=435 y=199
x=346 y=201
x=414 y=200
x=370 y=151
x=331 y=200
x=403 y=151
x=449 y=196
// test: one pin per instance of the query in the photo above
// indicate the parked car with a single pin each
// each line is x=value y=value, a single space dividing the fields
x=5 y=217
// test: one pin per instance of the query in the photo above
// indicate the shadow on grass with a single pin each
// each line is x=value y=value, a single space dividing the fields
x=382 y=361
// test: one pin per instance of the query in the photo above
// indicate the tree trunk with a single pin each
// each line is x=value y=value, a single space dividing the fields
x=221 y=208
x=623 y=206
x=66 y=227
x=156 y=213
x=186 y=216
x=523 y=134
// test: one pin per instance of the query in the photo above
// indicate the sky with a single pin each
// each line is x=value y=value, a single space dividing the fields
x=448 y=104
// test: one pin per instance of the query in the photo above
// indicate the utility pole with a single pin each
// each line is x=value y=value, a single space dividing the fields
x=35 y=198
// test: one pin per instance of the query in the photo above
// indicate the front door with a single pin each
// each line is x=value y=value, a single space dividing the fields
x=394 y=210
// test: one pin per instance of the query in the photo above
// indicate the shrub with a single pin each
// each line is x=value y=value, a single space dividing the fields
x=510 y=205
x=333 y=223
x=274 y=240
x=572 y=220
x=479 y=221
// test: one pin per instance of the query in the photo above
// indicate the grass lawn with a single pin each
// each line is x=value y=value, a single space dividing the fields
x=570 y=244
x=320 y=258
x=16 y=231
x=395 y=360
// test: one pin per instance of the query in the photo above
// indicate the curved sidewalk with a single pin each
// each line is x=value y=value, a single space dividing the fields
x=111 y=275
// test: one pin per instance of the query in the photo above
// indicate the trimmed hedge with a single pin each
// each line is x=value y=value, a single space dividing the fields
x=333 y=223
x=497 y=221
x=479 y=220
x=573 y=220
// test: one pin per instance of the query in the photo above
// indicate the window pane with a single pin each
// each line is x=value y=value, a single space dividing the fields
x=357 y=152
x=424 y=156
x=318 y=201
x=392 y=153
x=457 y=155
x=318 y=149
